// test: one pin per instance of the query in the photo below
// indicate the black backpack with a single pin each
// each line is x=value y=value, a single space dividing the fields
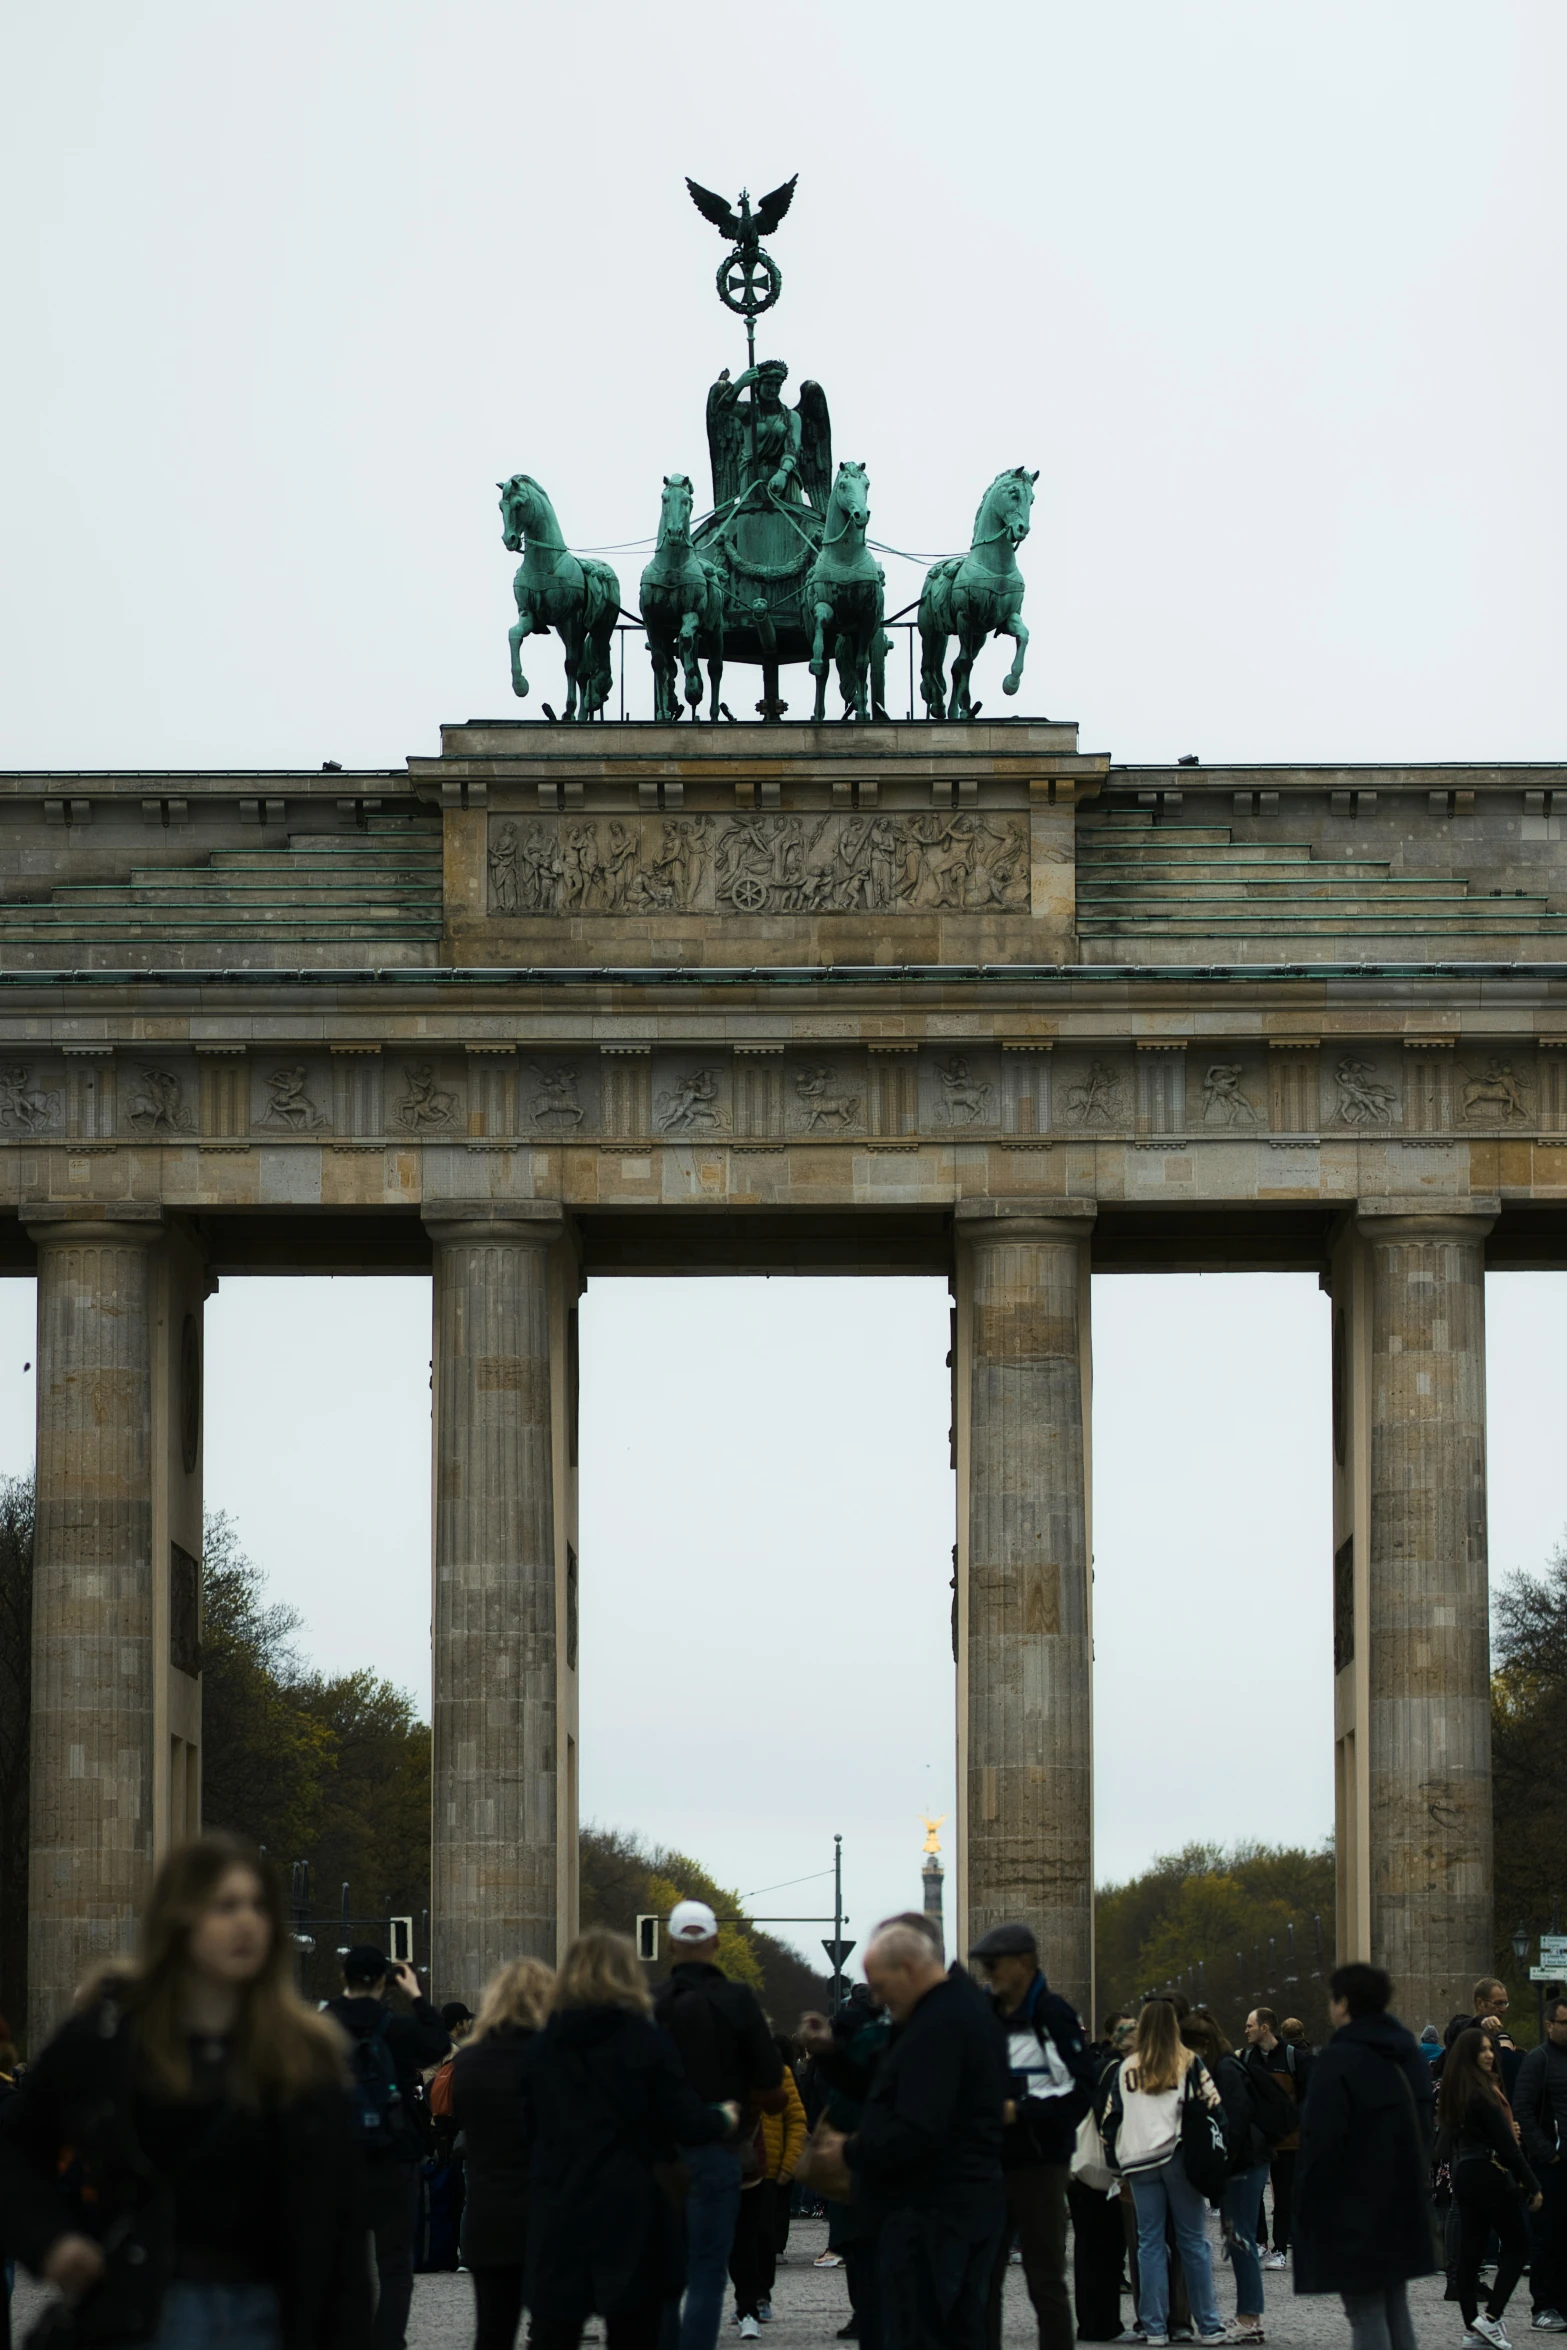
x=378 y=2101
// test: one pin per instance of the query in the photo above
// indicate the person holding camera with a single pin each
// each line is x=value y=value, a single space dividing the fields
x=389 y=2051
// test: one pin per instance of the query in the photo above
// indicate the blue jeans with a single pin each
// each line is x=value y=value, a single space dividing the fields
x=712 y=2207
x=1242 y=2207
x=1155 y=2192
x=218 y=2317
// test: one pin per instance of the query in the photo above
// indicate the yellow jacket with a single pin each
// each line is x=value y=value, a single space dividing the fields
x=783 y=2134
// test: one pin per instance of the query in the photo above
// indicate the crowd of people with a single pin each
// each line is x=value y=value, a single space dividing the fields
x=200 y=2158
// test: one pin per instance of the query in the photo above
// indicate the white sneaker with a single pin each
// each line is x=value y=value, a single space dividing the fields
x=828 y=2260
x=1548 y=2321
x=1492 y=2330
x=1275 y=2260
x=750 y=2331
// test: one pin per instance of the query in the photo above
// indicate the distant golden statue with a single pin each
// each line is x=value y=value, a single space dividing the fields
x=932 y=1840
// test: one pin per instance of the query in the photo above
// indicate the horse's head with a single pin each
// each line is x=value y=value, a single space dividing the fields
x=851 y=494
x=675 y=516
x=523 y=507
x=1006 y=507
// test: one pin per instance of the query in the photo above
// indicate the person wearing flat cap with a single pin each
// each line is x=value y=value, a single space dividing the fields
x=1051 y=2088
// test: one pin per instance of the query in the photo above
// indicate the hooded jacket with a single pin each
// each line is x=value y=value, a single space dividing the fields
x=607 y=2106
x=1361 y=2217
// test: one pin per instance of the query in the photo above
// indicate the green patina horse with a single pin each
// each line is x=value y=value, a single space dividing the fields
x=573 y=594
x=844 y=594
x=977 y=595
x=682 y=608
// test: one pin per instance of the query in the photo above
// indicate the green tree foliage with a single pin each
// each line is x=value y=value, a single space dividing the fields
x=16 y=1640
x=1206 y=1905
x=622 y=1880
x=1529 y=1757
x=333 y=1772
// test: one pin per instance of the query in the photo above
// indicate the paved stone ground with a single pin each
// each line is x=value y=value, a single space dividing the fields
x=810 y=2304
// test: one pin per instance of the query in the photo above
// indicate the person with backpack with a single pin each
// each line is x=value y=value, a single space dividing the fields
x=1492 y=2180
x=613 y=2122
x=1256 y=2111
x=388 y=2053
x=1051 y=2087
x=1275 y=2057
x=1144 y=2125
x=487 y=2105
x=727 y=2055
x=1362 y=2208
x=181 y=2159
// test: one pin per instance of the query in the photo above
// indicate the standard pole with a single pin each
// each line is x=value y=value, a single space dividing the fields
x=837 y=1922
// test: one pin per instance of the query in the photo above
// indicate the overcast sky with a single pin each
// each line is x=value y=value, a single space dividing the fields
x=1270 y=295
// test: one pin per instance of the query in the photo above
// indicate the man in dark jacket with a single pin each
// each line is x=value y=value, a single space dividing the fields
x=1052 y=2083
x=728 y=2056
x=1362 y=2184
x=1540 y=2106
x=927 y=2153
x=411 y=2043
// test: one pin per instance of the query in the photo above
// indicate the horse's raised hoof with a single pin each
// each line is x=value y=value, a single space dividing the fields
x=1009 y=684
x=519 y=686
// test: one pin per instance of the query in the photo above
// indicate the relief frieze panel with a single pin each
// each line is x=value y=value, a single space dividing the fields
x=27 y=1105
x=749 y=865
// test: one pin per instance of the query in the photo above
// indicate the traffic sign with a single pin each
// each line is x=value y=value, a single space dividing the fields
x=1548 y=1974
x=837 y=1952
x=1553 y=1950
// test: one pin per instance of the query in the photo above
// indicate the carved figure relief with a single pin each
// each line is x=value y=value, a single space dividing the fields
x=288 y=1103
x=159 y=1107
x=1363 y=1100
x=427 y=1107
x=964 y=1099
x=1097 y=1101
x=1223 y=1103
x=24 y=1107
x=503 y=869
x=691 y=1105
x=1498 y=1094
x=556 y=1101
x=760 y=865
x=825 y=1108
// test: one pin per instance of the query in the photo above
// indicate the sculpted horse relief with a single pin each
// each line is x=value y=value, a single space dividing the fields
x=885 y=864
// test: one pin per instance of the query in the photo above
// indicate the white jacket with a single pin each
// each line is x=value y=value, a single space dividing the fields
x=1149 y=2129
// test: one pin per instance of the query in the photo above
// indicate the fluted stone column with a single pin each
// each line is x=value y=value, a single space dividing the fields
x=93 y=1728
x=1024 y=1594
x=498 y=1603
x=1427 y=1611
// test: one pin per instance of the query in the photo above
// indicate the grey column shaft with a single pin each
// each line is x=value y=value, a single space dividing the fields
x=495 y=1731
x=1030 y=1715
x=1430 y=1697
x=93 y=1678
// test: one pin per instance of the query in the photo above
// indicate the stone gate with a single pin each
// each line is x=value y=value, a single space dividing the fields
x=957 y=999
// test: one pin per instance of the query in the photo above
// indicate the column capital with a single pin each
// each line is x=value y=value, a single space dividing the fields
x=1417 y=1219
x=1002 y=1223
x=521 y=1223
x=122 y=1224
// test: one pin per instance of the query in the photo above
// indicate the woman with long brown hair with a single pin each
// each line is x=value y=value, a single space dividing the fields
x=609 y=2107
x=1141 y=2121
x=1491 y=2182
x=489 y=2108
x=181 y=2159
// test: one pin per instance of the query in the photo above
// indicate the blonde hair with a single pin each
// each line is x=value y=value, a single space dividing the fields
x=282 y=2049
x=1159 y=2057
x=516 y=1996
x=602 y=1969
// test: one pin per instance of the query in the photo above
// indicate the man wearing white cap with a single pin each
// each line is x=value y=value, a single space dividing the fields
x=728 y=2053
